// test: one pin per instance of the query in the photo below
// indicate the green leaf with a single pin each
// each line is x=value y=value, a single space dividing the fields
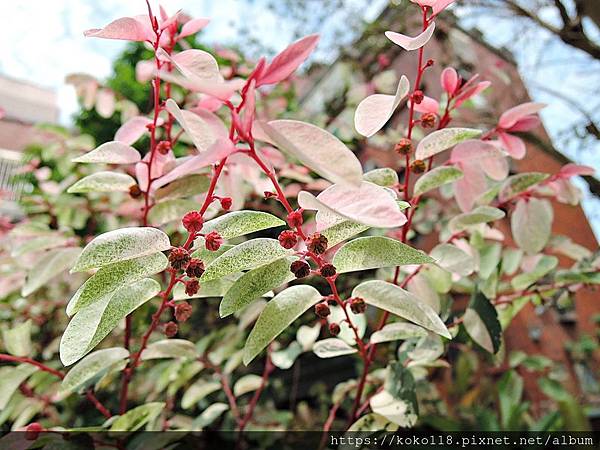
x=511 y=259
x=372 y=422
x=247 y=383
x=489 y=258
x=198 y=391
x=481 y=322
x=121 y=245
x=209 y=415
x=17 y=340
x=279 y=313
x=332 y=347
x=103 y=182
x=572 y=276
x=397 y=331
x=170 y=348
x=531 y=224
x=343 y=230
x=254 y=284
x=92 y=367
x=453 y=259
x=136 y=418
x=384 y=177
x=12 y=377
x=95 y=321
x=113 y=152
x=481 y=214
x=245 y=256
x=284 y=359
x=373 y=252
x=38 y=244
x=183 y=187
x=49 y=266
x=396 y=300
x=510 y=393
x=240 y=223
x=401 y=384
x=110 y=278
x=435 y=178
x=170 y=210
x=515 y=184
x=544 y=266
x=441 y=140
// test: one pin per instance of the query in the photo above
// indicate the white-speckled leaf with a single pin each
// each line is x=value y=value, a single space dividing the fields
x=396 y=300
x=373 y=252
x=531 y=224
x=279 y=313
x=136 y=418
x=435 y=178
x=441 y=140
x=317 y=149
x=12 y=377
x=247 y=255
x=103 y=182
x=397 y=331
x=332 y=347
x=170 y=348
x=341 y=231
x=453 y=259
x=17 y=340
x=121 y=245
x=214 y=288
x=49 y=266
x=94 y=322
x=254 y=284
x=183 y=187
x=239 y=223
x=515 y=184
x=197 y=391
x=393 y=409
x=384 y=177
x=113 y=152
x=170 y=210
x=481 y=214
x=246 y=384
x=92 y=367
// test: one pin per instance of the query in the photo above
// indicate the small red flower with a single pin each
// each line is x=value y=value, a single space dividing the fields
x=213 y=241
x=183 y=311
x=417 y=97
x=322 y=310
x=428 y=120
x=300 y=268
x=135 y=191
x=294 y=219
x=33 y=431
x=418 y=166
x=404 y=147
x=163 y=147
x=357 y=305
x=179 y=258
x=171 y=329
x=328 y=270
x=193 y=221
x=317 y=244
x=226 y=203
x=288 y=239
x=195 y=268
x=191 y=287
x=334 y=329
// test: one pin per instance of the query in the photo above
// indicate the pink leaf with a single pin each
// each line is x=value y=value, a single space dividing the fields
x=220 y=149
x=105 y=103
x=471 y=92
x=513 y=145
x=368 y=204
x=440 y=5
x=427 y=105
x=202 y=134
x=249 y=110
x=144 y=70
x=527 y=123
x=127 y=28
x=374 y=111
x=132 y=130
x=571 y=170
x=449 y=80
x=221 y=90
x=160 y=165
x=482 y=154
x=193 y=26
x=195 y=64
x=286 y=62
x=411 y=43
x=468 y=188
x=510 y=117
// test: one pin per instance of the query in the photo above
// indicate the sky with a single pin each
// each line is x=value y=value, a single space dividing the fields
x=42 y=42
